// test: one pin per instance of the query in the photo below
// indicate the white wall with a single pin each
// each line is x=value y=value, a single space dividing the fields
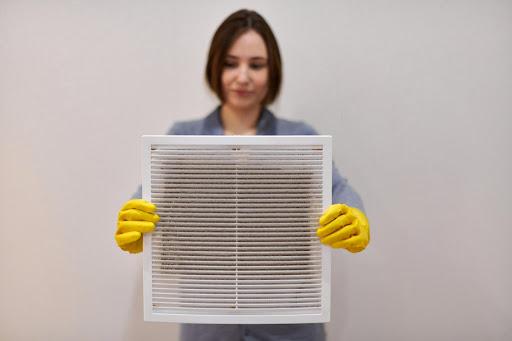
x=418 y=95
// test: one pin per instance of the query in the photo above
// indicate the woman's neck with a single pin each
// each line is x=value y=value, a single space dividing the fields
x=238 y=121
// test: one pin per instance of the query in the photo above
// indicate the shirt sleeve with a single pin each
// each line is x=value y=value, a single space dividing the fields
x=342 y=192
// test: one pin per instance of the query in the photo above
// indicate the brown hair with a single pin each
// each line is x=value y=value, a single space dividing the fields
x=231 y=28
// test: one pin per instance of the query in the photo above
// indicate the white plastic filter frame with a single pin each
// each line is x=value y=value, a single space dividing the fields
x=237 y=316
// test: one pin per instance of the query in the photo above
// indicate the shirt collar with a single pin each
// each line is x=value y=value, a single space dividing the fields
x=266 y=123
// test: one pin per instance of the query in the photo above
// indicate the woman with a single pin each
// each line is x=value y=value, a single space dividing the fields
x=244 y=71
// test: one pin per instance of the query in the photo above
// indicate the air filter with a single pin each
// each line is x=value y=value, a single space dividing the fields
x=236 y=240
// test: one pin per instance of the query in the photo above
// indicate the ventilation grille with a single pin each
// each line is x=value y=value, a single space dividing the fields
x=236 y=236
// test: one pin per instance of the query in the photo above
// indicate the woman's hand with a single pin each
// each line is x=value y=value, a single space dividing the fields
x=346 y=227
x=136 y=217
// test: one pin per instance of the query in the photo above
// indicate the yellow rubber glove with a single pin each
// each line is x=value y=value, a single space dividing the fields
x=346 y=227
x=136 y=217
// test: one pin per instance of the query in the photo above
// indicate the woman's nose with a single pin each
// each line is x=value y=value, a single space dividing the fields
x=243 y=75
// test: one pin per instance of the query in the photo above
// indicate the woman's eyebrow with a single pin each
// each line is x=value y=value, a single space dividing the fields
x=257 y=58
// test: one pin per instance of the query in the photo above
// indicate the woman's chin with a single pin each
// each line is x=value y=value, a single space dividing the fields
x=245 y=105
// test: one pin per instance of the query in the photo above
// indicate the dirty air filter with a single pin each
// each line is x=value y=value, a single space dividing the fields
x=236 y=241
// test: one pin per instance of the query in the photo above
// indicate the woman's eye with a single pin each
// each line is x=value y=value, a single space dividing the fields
x=257 y=66
x=230 y=65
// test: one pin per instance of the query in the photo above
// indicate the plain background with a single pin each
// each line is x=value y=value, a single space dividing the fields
x=418 y=97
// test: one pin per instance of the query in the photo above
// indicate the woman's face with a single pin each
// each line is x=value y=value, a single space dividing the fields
x=245 y=72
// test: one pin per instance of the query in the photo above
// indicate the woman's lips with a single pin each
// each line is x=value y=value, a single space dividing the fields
x=242 y=93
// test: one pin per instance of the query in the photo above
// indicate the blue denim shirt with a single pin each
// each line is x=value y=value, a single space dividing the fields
x=342 y=192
